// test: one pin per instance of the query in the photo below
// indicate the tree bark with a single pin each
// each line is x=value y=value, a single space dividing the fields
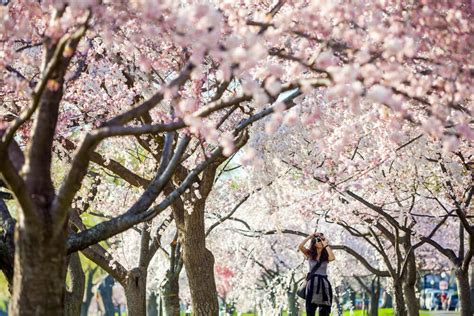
x=374 y=297
x=412 y=303
x=39 y=272
x=399 y=307
x=135 y=292
x=73 y=301
x=171 y=294
x=40 y=237
x=471 y=282
x=7 y=244
x=39 y=245
x=464 y=292
x=199 y=265
x=409 y=287
x=197 y=259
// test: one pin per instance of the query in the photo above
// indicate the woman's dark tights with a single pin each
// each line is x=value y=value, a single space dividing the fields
x=324 y=310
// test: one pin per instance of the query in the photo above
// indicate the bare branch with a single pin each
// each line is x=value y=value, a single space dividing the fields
x=155 y=243
x=433 y=231
x=112 y=165
x=232 y=212
x=379 y=210
x=19 y=189
x=102 y=258
x=459 y=211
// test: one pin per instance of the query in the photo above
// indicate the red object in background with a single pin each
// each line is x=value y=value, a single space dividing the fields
x=444 y=300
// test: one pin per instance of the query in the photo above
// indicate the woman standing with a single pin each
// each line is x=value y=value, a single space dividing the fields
x=318 y=288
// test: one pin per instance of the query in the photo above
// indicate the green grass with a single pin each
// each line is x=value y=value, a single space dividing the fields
x=357 y=312
x=382 y=312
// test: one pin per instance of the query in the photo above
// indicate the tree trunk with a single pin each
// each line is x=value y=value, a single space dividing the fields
x=338 y=311
x=160 y=306
x=199 y=263
x=464 y=292
x=352 y=296
x=40 y=244
x=374 y=297
x=374 y=304
x=73 y=300
x=399 y=307
x=412 y=303
x=105 y=289
x=152 y=307
x=39 y=272
x=171 y=294
x=387 y=299
x=89 y=293
x=197 y=259
x=135 y=292
x=7 y=243
x=409 y=287
x=292 y=300
x=471 y=282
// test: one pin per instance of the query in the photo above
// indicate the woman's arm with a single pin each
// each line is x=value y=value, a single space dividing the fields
x=302 y=248
x=331 y=256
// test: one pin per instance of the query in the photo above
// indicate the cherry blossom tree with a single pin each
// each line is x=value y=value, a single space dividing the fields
x=186 y=80
x=256 y=244
x=407 y=183
x=368 y=168
x=35 y=191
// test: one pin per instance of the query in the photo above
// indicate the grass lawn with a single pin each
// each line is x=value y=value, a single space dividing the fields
x=382 y=312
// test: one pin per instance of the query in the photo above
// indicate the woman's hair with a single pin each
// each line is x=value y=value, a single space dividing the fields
x=313 y=253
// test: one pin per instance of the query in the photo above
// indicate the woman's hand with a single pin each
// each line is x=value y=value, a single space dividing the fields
x=324 y=241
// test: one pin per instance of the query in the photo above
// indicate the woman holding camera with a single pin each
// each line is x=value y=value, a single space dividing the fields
x=318 y=288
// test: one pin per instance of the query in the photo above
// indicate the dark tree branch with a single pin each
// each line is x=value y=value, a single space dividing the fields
x=234 y=209
x=102 y=258
x=112 y=165
x=361 y=259
x=155 y=243
x=459 y=211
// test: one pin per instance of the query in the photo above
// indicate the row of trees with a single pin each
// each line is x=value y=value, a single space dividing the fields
x=407 y=212
x=118 y=117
